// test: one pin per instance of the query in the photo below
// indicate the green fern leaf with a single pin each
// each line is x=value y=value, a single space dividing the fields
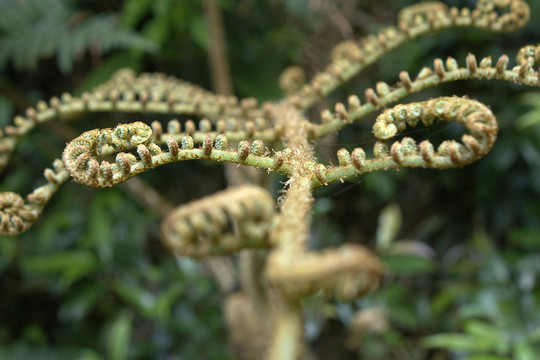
x=38 y=29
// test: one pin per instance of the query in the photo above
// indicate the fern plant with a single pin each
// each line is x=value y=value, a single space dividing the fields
x=266 y=315
x=35 y=30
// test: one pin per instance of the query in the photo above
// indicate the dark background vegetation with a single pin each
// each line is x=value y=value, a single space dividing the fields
x=90 y=280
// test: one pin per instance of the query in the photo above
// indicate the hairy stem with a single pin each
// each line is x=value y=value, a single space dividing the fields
x=292 y=231
x=294 y=220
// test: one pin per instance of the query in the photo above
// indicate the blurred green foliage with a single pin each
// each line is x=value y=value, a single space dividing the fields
x=91 y=280
x=30 y=31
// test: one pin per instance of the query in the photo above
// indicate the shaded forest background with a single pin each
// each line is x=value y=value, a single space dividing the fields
x=91 y=280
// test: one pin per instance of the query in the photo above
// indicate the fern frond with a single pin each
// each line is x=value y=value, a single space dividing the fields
x=223 y=223
x=35 y=30
x=81 y=154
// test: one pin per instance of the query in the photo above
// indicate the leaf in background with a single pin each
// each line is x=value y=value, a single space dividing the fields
x=159 y=28
x=527 y=238
x=77 y=306
x=106 y=69
x=487 y=333
x=532 y=117
x=525 y=351
x=456 y=342
x=118 y=337
x=100 y=31
x=166 y=300
x=535 y=336
x=449 y=295
x=382 y=185
x=296 y=7
x=64 y=54
x=483 y=242
x=69 y=265
x=133 y=11
x=390 y=220
x=100 y=234
x=530 y=152
x=498 y=305
x=496 y=271
x=25 y=352
x=58 y=230
x=409 y=264
x=529 y=119
x=404 y=316
x=412 y=247
x=49 y=27
x=529 y=98
x=6 y=111
x=88 y=354
x=137 y=297
x=199 y=32
x=8 y=250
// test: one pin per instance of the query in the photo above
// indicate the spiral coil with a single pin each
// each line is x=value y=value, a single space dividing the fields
x=17 y=214
x=344 y=273
x=223 y=223
x=81 y=154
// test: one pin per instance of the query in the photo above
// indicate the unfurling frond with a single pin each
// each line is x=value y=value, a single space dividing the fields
x=344 y=273
x=17 y=214
x=81 y=154
x=223 y=223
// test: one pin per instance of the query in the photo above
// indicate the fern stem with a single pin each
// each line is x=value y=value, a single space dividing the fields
x=286 y=343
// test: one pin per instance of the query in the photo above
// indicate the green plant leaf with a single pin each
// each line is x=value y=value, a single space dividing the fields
x=525 y=237
x=137 y=297
x=526 y=351
x=450 y=294
x=133 y=11
x=88 y=354
x=199 y=32
x=409 y=264
x=390 y=220
x=37 y=30
x=106 y=69
x=531 y=98
x=118 y=337
x=76 y=307
x=166 y=300
x=487 y=333
x=70 y=265
x=23 y=352
x=527 y=120
x=456 y=342
x=6 y=111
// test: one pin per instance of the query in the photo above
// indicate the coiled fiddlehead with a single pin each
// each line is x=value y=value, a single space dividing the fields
x=476 y=117
x=146 y=93
x=17 y=214
x=224 y=223
x=345 y=273
x=351 y=57
x=80 y=155
x=239 y=120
